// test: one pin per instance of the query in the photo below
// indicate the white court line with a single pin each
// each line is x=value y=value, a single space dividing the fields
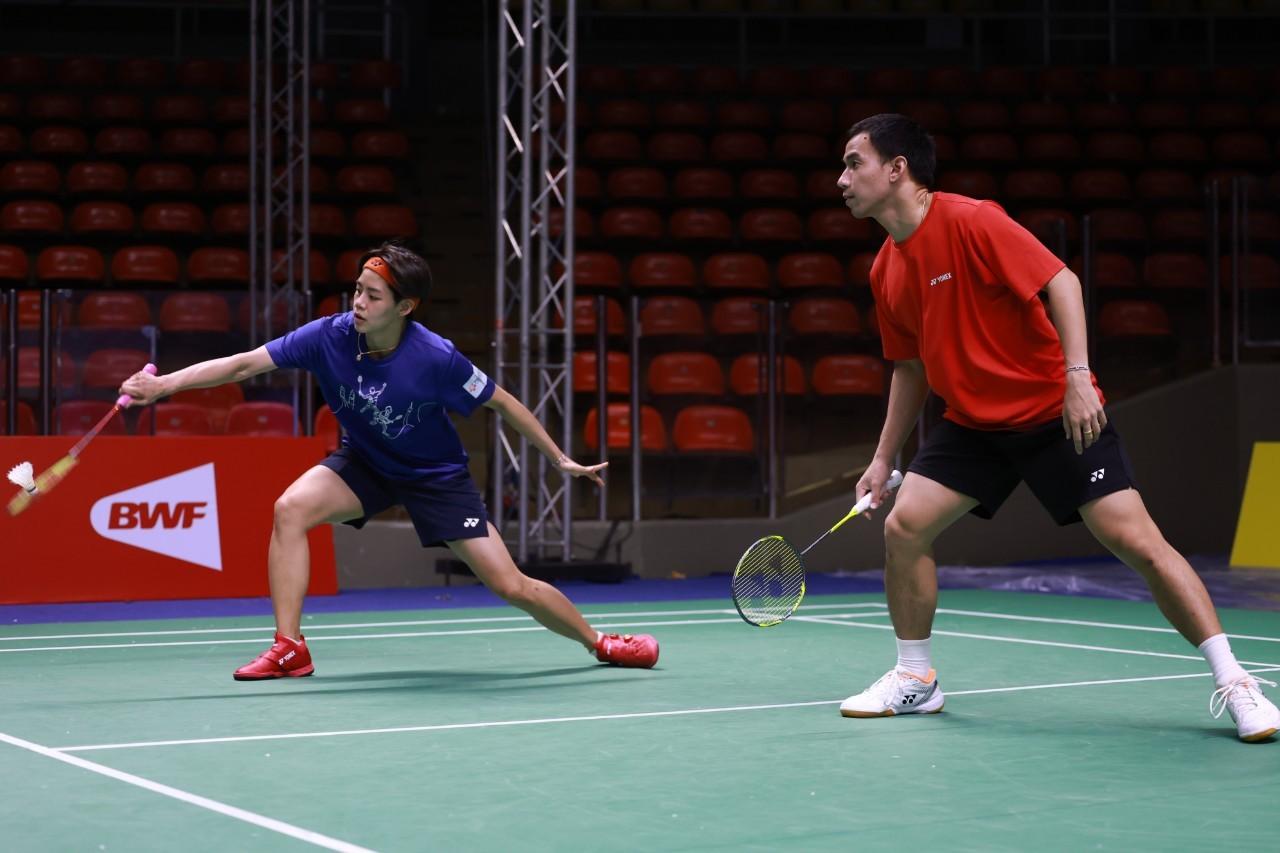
x=597 y=717
x=1022 y=640
x=185 y=796
x=1087 y=624
x=720 y=611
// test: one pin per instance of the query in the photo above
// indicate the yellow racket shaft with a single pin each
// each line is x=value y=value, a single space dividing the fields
x=46 y=481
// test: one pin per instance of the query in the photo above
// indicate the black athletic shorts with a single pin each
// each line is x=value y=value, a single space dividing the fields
x=441 y=508
x=987 y=465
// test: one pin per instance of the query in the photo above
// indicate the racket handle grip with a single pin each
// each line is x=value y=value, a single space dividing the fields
x=895 y=480
x=125 y=400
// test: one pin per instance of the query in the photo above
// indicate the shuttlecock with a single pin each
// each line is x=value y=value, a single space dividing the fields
x=22 y=475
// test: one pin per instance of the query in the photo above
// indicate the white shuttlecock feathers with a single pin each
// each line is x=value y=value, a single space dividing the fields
x=22 y=475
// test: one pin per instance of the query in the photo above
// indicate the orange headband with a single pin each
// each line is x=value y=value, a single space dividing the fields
x=380 y=266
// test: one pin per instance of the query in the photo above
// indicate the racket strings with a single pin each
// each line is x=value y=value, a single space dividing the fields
x=769 y=581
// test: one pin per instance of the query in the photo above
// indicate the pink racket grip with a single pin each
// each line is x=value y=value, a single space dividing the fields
x=125 y=400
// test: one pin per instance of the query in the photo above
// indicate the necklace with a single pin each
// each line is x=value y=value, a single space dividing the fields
x=360 y=355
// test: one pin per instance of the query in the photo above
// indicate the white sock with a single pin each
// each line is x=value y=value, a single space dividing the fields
x=599 y=637
x=914 y=656
x=1217 y=651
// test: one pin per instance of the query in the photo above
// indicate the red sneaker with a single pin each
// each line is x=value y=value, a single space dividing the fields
x=639 y=650
x=285 y=659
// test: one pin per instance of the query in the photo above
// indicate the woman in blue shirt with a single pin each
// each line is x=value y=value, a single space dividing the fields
x=391 y=383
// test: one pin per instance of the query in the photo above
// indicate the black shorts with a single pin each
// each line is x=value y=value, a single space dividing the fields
x=987 y=465
x=442 y=509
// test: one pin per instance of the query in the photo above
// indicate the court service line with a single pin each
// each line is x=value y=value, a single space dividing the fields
x=684 y=712
x=1022 y=640
x=719 y=611
x=270 y=823
x=1088 y=624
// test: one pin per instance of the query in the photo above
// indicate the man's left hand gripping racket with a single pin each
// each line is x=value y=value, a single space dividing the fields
x=768 y=584
x=51 y=477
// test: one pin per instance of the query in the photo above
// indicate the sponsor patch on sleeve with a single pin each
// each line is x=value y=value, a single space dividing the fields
x=476 y=383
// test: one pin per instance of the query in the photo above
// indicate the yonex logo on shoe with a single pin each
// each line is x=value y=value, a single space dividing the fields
x=909 y=699
x=470 y=522
x=176 y=516
x=1097 y=475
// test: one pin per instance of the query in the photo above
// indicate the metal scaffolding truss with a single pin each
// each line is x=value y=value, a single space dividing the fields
x=534 y=322
x=280 y=192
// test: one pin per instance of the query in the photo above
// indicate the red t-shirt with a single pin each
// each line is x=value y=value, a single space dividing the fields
x=960 y=295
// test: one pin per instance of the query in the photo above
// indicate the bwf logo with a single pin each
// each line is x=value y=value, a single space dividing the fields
x=176 y=516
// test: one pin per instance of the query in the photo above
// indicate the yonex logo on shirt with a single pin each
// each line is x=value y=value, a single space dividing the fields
x=946 y=276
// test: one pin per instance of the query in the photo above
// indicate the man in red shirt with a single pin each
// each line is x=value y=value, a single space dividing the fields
x=957 y=286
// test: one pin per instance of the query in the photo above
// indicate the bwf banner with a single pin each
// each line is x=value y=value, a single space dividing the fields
x=155 y=518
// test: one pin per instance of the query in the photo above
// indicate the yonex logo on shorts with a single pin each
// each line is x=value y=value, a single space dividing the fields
x=470 y=522
x=1097 y=475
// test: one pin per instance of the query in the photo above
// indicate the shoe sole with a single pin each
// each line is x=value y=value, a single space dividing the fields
x=301 y=672
x=1258 y=736
x=867 y=715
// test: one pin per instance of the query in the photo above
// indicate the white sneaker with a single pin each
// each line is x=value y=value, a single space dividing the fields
x=897 y=692
x=1255 y=715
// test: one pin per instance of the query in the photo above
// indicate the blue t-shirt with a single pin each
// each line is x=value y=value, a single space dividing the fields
x=394 y=409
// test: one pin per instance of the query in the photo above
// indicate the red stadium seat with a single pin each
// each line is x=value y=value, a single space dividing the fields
x=808 y=116
x=860 y=269
x=228 y=179
x=26 y=419
x=950 y=80
x=360 y=111
x=29 y=311
x=327 y=429
x=1005 y=82
x=821 y=184
x=195 y=312
x=70 y=264
x=1234 y=81
x=891 y=81
x=673 y=146
x=771 y=224
x=13 y=264
x=596 y=269
x=1239 y=149
x=631 y=223
x=22 y=70
x=1111 y=269
x=189 y=142
x=682 y=113
x=77 y=417
x=320 y=272
x=653 y=434
x=586 y=183
x=145 y=265
x=743 y=115
x=769 y=184
x=10 y=141
x=775 y=81
x=202 y=73
x=680 y=373
x=328 y=144
x=122 y=142
x=1034 y=185
x=1120 y=80
x=385 y=220
x=583 y=224
x=1224 y=115
x=659 y=79
x=116 y=107
x=970 y=182
x=375 y=74
x=328 y=221
x=872 y=322
x=10 y=106
x=230 y=220
x=703 y=184
x=1180 y=225
x=96 y=178
x=1186 y=148
x=179 y=109
x=830 y=81
x=55 y=107
x=107 y=368
x=738 y=147
x=612 y=146
x=990 y=147
x=29 y=177
x=1100 y=185
x=1176 y=81
x=1257 y=271
x=233 y=109
x=1175 y=270
x=1051 y=148
x=662 y=269
x=31 y=217
x=982 y=115
x=1131 y=318
x=1042 y=115
x=1048 y=223
x=380 y=145
x=671 y=315
x=1166 y=185
x=58 y=141
x=933 y=116
x=584 y=316
x=1163 y=115
x=64 y=368
x=207 y=267
x=746 y=377
x=854 y=110
x=603 y=78
x=810 y=269
x=739 y=315
x=837 y=225
x=367 y=180
x=637 y=183
x=137 y=72
x=261 y=419
x=715 y=80
x=164 y=178
x=848 y=375
x=1115 y=147
x=802 y=147
x=121 y=310
x=701 y=223
x=173 y=218
x=82 y=72
x=825 y=317
x=1103 y=115
x=1118 y=225
x=1061 y=81
x=617 y=372
x=217 y=401
x=175 y=419
x=736 y=270
x=102 y=217
x=624 y=113
x=719 y=429
x=324 y=75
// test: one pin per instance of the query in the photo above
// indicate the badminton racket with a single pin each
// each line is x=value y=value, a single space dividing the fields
x=59 y=470
x=768 y=583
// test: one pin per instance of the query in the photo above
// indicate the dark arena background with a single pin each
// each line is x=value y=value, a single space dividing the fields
x=629 y=207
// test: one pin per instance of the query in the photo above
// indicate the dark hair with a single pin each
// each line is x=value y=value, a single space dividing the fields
x=895 y=135
x=412 y=275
